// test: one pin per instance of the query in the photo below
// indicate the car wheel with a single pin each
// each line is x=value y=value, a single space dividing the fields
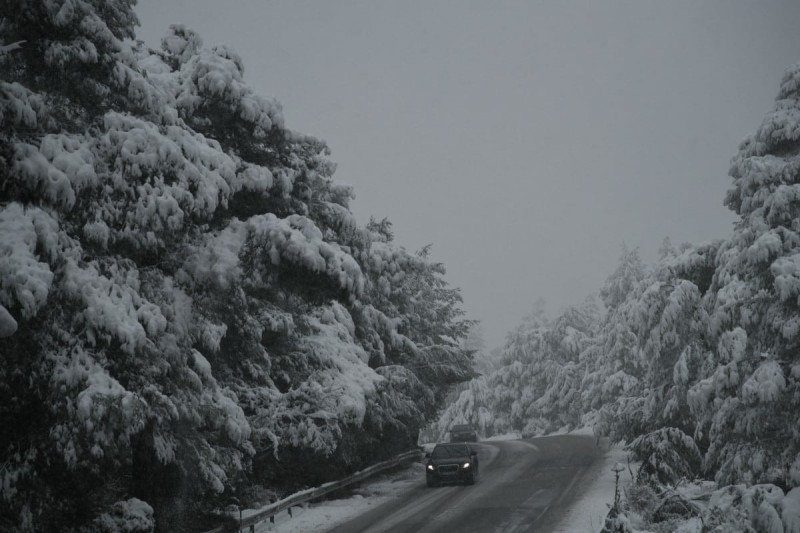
x=471 y=479
x=430 y=482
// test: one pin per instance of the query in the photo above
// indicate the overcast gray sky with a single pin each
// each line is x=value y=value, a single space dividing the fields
x=526 y=140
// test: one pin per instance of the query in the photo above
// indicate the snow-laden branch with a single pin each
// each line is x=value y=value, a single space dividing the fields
x=6 y=48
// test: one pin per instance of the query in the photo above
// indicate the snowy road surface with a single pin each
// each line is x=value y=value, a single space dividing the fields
x=524 y=486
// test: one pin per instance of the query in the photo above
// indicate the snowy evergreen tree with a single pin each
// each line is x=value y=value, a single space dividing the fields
x=667 y=455
x=625 y=278
x=185 y=298
x=612 y=363
x=748 y=399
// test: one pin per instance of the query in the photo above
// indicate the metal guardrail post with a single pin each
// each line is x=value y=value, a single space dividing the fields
x=235 y=502
x=272 y=516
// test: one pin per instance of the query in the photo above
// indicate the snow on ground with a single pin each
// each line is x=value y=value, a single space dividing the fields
x=588 y=513
x=504 y=436
x=325 y=515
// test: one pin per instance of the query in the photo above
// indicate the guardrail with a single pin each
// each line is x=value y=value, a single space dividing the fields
x=307 y=495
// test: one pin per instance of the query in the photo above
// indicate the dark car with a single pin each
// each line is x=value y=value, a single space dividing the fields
x=451 y=463
x=463 y=433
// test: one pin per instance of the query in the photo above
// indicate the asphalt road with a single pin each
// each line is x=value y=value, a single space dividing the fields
x=524 y=485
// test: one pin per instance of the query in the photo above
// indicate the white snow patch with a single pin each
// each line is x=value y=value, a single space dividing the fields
x=765 y=385
x=589 y=512
x=24 y=280
x=325 y=515
x=791 y=510
x=8 y=326
x=201 y=364
x=127 y=516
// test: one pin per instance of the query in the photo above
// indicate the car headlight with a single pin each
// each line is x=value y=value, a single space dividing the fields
x=430 y=468
x=465 y=465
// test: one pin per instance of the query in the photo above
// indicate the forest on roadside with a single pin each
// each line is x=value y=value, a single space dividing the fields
x=189 y=311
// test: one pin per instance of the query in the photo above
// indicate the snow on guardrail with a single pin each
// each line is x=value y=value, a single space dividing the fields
x=307 y=495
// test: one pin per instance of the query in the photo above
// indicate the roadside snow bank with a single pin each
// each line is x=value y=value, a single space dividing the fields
x=325 y=515
x=588 y=513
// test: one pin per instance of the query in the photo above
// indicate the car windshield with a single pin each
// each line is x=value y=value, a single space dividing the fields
x=450 y=451
x=461 y=428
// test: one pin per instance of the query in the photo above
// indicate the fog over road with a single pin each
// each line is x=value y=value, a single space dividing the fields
x=524 y=485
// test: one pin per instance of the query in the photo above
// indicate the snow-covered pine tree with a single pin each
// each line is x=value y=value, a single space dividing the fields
x=749 y=397
x=82 y=375
x=561 y=369
x=411 y=325
x=183 y=289
x=613 y=368
x=629 y=272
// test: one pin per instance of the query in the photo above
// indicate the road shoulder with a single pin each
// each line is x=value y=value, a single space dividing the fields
x=595 y=493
